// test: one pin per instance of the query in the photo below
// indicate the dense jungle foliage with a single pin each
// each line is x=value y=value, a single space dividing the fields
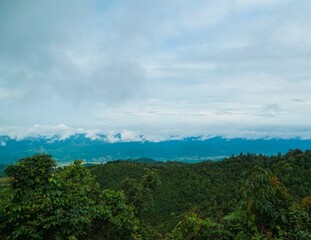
x=242 y=197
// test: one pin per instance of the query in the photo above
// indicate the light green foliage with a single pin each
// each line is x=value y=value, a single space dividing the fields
x=267 y=211
x=306 y=203
x=113 y=218
x=192 y=227
x=52 y=203
x=46 y=202
x=265 y=198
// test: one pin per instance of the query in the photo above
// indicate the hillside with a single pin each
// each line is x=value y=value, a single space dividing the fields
x=210 y=187
x=243 y=197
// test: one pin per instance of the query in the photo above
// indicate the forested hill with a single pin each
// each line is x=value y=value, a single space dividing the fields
x=243 y=197
x=210 y=187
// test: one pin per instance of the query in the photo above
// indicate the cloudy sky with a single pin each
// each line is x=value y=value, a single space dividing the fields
x=235 y=68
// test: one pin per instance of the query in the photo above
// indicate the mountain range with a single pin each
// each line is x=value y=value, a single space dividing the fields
x=190 y=149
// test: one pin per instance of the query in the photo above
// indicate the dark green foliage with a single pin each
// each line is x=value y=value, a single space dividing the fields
x=243 y=197
x=211 y=187
x=140 y=193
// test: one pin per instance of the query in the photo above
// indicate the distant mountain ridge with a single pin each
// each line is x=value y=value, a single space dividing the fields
x=101 y=149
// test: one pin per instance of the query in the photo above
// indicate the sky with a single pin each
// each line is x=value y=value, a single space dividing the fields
x=231 y=68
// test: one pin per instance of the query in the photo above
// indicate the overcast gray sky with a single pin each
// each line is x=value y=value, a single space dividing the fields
x=235 y=68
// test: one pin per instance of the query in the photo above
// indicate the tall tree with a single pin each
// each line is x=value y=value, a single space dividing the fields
x=47 y=202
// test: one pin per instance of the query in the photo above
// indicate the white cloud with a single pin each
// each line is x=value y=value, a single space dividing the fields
x=254 y=3
x=155 y=68
x=10 y=94
x=37 y=130
x=167 y=133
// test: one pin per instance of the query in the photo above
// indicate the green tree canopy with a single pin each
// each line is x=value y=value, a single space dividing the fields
x=46 y=202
